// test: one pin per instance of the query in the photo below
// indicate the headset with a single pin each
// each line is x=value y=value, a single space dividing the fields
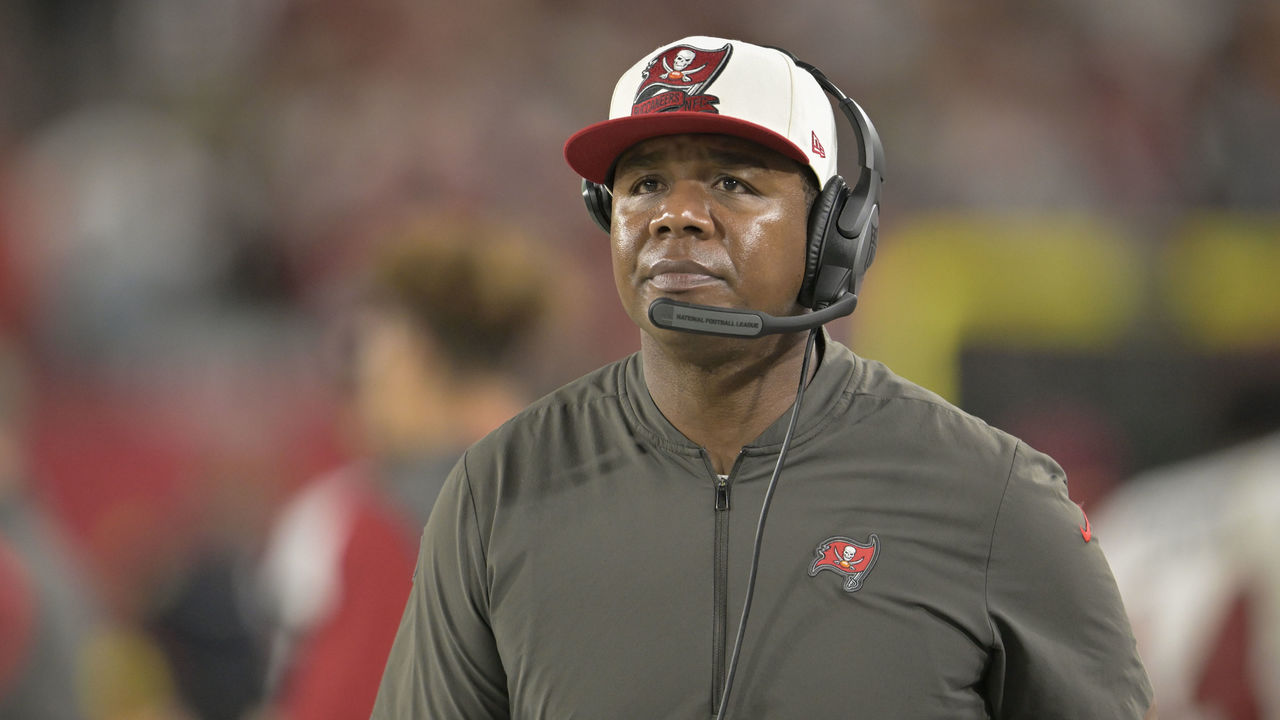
x=842 y=231
x=843 y=225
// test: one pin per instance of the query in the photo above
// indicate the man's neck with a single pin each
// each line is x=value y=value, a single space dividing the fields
x=725 y=397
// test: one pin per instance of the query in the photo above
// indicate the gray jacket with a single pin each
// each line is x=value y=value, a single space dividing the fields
x=584 y=561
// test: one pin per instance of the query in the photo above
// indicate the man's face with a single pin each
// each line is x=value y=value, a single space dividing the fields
x=708 y=219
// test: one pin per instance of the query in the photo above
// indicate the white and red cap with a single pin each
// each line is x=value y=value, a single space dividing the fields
x=711 y=85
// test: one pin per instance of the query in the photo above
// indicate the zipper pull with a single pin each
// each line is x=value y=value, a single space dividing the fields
x=722 y=494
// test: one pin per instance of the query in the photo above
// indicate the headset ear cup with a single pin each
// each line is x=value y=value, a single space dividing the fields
x=870 y=236
x=599 y=203
x=822 y=224
x=860 y=223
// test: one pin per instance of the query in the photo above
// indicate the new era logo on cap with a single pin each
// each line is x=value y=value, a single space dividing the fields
x=817 y=147
x=712 y=85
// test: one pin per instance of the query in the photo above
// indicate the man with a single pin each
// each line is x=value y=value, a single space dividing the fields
x=592 y=558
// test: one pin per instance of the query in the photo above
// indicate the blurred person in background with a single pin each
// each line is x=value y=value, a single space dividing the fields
x=433 y=352
x=1235 y=161
x=1193 y=547
x=48 y=616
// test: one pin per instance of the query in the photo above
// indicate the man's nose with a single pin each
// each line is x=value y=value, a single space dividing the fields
x=686 y=209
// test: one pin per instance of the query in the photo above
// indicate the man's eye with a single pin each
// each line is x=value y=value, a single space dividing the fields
x=644 y=186
x=730 y=184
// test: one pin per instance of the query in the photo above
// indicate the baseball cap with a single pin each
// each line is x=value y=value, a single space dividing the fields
x=702 y=84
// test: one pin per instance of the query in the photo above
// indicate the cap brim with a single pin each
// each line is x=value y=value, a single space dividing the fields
x=592 y=151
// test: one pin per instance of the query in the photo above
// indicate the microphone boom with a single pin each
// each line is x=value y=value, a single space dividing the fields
x=729 y=322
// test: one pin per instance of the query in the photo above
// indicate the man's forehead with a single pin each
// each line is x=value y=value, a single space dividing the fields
x=724 y=150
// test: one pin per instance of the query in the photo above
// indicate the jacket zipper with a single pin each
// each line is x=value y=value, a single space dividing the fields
x=720 y=594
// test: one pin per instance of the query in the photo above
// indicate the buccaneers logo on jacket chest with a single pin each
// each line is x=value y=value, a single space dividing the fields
x=848 y=558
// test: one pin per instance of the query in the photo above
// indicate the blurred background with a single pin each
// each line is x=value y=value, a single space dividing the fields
x=246 y=306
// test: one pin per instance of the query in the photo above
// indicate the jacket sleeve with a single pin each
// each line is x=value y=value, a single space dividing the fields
x=444 y=663
x=1063 y=644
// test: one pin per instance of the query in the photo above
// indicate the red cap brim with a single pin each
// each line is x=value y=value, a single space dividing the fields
x=592 y=150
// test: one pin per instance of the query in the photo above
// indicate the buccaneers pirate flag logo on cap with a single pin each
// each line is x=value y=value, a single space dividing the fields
x=676 y=79
x=847 y=557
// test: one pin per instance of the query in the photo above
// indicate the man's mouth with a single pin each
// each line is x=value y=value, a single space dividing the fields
x=680 y=275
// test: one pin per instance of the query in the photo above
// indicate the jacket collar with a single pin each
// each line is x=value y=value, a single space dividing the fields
x=826 y=397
